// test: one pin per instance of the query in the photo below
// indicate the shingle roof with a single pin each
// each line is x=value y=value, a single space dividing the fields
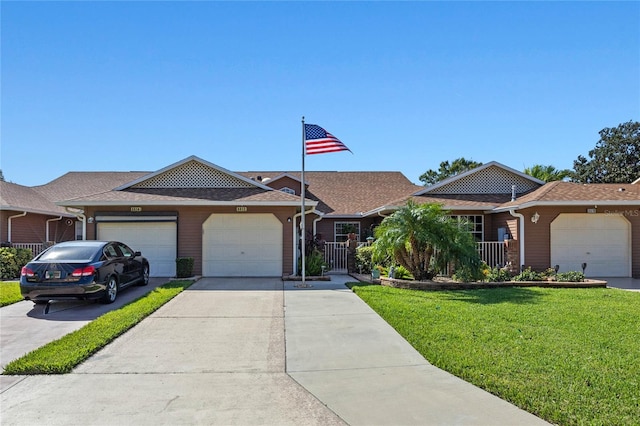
x=22 y=198
x=348 y=193
x=187 y=196
x=79 y=184
x=572 y=193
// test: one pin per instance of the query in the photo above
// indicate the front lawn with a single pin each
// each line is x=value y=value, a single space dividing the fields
x=569 y=356
x=9 y=292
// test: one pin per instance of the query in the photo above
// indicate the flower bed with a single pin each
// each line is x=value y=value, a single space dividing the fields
x=448 y=284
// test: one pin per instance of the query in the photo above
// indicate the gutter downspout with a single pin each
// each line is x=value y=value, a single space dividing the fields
x=47 y=228
x=9 y=223
x=315 y=225
x=80 y=215
x=521 y=236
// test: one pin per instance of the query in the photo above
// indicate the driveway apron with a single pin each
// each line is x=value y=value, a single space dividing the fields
x=215 y=354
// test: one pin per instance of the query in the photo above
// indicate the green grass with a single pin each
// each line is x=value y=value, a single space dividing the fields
x=9 y=292
x=569 y=356
x=62 y=355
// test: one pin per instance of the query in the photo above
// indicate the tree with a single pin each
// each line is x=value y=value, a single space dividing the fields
x=547 y=173
x=424 y=239
x=446 y=170
x=1 y=176
x=615 y=159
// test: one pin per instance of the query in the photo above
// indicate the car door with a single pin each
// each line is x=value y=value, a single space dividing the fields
x=113 y=262
x=132 y=267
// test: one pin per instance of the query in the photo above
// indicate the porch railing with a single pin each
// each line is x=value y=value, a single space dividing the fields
x=36 y=248
x=335 y=254
x=492 y=253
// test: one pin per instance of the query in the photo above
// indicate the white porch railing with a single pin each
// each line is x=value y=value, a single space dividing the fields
x=335 y=254
x=492 y=253
x=36 y=248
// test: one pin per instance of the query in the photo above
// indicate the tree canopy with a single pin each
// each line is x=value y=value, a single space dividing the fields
x=615 y=158
x=447 y=169
x=424 y=239
x=547 y=173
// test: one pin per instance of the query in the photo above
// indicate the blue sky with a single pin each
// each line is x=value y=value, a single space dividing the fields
x=119 y=86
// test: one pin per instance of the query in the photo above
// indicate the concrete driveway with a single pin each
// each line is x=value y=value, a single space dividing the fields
x=632 y=284
x=25 y=326
x=243 y=351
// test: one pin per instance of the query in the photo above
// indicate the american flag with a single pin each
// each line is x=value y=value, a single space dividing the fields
x=318 y=141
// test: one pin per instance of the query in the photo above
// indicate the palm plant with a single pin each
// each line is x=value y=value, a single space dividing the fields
x=547 y=173
x=424 y=239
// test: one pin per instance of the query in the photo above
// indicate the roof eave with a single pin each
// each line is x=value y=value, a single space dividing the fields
x=185 y=203
x=35 y=211
x=567 y=203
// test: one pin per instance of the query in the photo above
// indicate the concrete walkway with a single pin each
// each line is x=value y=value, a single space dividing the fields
x=244 y=352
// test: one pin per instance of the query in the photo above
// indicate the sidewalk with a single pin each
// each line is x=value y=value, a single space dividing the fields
x=361 y=368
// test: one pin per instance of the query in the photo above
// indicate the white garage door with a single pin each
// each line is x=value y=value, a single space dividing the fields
x=242 y=245
x=601 y=241
x=156 y=241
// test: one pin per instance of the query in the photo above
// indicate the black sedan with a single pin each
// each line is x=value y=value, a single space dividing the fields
x=83 y=270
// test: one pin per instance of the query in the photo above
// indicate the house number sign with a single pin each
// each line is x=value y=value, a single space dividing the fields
x=136 y=209
x=241 y=209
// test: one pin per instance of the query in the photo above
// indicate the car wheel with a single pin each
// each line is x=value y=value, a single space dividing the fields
x=145 y=275
x=111 y=292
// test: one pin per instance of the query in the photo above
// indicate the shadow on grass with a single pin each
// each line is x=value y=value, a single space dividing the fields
x=486 y=296
x=517 y=295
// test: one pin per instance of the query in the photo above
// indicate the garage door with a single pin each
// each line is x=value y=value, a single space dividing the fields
x=242 y=245
x=156 y=241
x=601 y=241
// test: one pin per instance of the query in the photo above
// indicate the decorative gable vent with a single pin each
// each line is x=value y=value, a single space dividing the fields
x=492 y=180
x=193 y=174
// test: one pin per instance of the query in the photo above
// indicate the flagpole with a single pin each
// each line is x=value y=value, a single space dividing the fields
x=303 y=220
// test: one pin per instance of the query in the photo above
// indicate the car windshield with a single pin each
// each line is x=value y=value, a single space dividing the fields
x=69 y=253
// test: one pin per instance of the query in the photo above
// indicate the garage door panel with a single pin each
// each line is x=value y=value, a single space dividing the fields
x=156 y=241
x=242 y=245
x=603 y=242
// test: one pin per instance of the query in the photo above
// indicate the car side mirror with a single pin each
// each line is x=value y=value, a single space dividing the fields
x=137 y=254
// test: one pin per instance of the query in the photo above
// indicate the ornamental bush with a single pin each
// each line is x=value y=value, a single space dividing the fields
x=570 y=276
x=12 y=260
x=529 y=275
x=184 y=267
x=363 y=259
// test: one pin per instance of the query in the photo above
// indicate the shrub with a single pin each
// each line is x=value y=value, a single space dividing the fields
x=496 y=275
x=402 y=273
x=570 y=276
x=313 y=264
x=363 y=259
x=12 y=260
x=467 y=274
x=529 y=275
x=184 y=267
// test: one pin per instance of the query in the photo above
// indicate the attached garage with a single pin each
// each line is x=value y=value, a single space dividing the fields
x=601 y=241
x=242 y=245
x=154 y=236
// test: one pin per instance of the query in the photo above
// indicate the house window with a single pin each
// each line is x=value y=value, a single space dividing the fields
x=288 y=190
x=476 y=225
x=343 y=229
